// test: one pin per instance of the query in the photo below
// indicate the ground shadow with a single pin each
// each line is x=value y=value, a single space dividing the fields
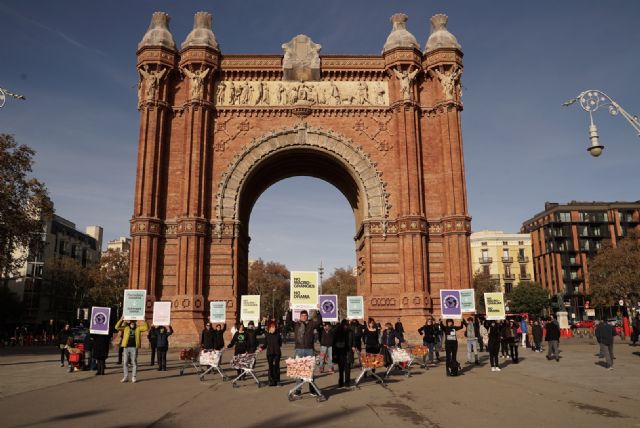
x=67 y=417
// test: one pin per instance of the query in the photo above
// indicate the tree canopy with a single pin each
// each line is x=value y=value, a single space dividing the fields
x=528 y=297
x=271 y=281
x=342 y=283
x=484 y=283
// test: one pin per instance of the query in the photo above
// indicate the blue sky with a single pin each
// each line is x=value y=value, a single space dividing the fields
x=75 y=63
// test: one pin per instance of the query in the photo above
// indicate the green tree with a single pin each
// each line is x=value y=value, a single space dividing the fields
x=10 y=307
x=109 y=279
x=271 y=281
x=342 y=283
x=24 y=202
x=66 y=284
x=614 y=273
x=483 y=283
x=528 y=297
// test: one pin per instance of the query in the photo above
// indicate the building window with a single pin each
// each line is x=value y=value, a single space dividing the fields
x=485 y=270
x=521 y=243
x=565 y=217
x=508 y=287
x=484 y=244
x=485 y=255
x=505 y=243
x=505 y=253
x=523 y=270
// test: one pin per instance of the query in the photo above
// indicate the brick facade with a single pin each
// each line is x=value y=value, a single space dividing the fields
x=203 y=164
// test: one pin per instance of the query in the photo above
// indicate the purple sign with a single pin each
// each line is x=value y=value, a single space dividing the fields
x=328 y=307
x=99 y=320
x=450 y=304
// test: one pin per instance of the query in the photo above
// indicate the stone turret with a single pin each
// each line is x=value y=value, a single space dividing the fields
x=158 y=34
x=400 y=36
x=440 y=37
x=201 y=35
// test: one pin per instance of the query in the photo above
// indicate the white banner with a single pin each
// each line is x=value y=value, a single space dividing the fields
x=218 y=312
x=161 y=313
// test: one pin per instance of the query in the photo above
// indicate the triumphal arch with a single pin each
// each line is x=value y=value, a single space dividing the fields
x=217 y=129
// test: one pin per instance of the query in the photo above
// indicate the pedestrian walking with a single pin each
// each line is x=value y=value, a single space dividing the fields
x=131 y=332
x=494 y=333
x=429 y=334
x=343 y=353
x=451 y=346
x=604 y=335
x=472 y=342
x=635 y=325
x=63 y=336
x=536 y=332
x=553 y=339
x=162 y=342
x=153 y=343
x=524 y=329
x=273 y=345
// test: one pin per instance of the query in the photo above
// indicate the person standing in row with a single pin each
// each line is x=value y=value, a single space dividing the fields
x=399 y=329
x=356 y=329
x=635 y=324
x=484 y=336
x=63 y=336
x=553 y=339
x=429 y=333
x=101 y=344
x=273 y=344
x=252 y=333
x=476 y=326
x=303 y=331
x=605 y=334
x=371 y=338
x=536 y=331
x=131 y=343
x=451 y=346
x=153 y=343
x=343 y=352
x=472 y=342
x=514 y=341
x=239 y=342
x=326 y=347
x=389 y=340
x=504 y=339
x=493 y=344
x=206 y=337
x=162 y=337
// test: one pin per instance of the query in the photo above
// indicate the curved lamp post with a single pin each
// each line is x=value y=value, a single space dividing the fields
x=590 y=101
x=3 y=96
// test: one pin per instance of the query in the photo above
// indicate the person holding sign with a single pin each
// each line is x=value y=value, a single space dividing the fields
x=451 y=346
x=213 y=338
x=130 y=343
x=303 y=330
x=162 y=337
x=495 y=334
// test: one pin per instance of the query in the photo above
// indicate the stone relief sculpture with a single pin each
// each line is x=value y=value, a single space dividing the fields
x=268 y=93
x=406 y=81
x=151 y=81
x=449 y=81
x=196 y=79
x=301 y=59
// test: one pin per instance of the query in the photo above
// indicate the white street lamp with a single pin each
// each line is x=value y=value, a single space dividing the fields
x=590 y=101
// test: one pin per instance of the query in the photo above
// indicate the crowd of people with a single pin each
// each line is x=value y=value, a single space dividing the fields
x=340 y=344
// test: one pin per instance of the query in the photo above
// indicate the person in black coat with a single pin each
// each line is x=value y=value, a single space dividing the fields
x=553 y=339
x=239 y=341
x=63 y=336
x=356 y=329
x=207 y=337
x=536 y=331
x=343 y=350
x=153 y=343
x=273 y=344
x=495 y=335
x=429 y=333
x=252 y=333
x=162 y=337
x=451 y=345
x=399 y=329
x=101 y=344
x=389 y=340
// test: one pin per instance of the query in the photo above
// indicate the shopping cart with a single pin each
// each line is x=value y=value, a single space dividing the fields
x=400 y=359
x=418 y=356
x=302 y=368
x=370 y=362
x=76 y=357
x=245 y=363
x=189 y=358
x=211 y=359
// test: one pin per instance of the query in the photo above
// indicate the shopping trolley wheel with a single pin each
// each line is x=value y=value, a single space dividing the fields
x=321 y=398
x=181 y=372
x=259 y=385
x=225 y=378
x=291 y=397
x=201 y=378
x=408 y=375
x=235 y=385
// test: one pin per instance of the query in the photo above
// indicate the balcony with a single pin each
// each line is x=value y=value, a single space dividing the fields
x=525 y=277
x=509 y=276
x=485 y=260
x=507 y=260
x=523 y=259
x=495 y=277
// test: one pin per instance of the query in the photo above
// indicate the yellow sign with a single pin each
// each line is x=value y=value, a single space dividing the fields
x=304 y=290
x=250 y=309
x=494 y=303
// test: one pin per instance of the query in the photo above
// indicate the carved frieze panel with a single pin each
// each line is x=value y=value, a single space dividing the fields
x=326 y=93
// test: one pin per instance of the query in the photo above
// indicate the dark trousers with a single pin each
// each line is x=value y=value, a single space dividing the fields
x=494 y=349
x=481 y=343
x=504 y=348
x=513 y=350
x=162 y=357
x=64 y=355
x=153 y=355
x=120 y=351
x=100 y=364
x=274 y=369
x=451 y=349
x=344 y=369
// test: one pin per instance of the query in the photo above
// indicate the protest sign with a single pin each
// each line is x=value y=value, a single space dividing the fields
x=304 y=290
x=355 y=307
x=450 y=304
x=295 y=313
x=494 y=303
x=468 y=300
x=218 y=312
x=250 y=309
x=329 y=307
x=161 y=313
x=135 y=303
x=99 y=320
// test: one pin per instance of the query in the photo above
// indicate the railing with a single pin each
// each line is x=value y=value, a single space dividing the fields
x=525 y=277
x=507 y=260
x=509 y=276
x=486 y=259
x=523 y=259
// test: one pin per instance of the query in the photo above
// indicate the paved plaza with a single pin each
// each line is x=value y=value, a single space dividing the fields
x=575 y=392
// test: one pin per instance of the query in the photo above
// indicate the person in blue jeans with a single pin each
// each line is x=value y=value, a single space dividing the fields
x=303 y=331
x=429 y=334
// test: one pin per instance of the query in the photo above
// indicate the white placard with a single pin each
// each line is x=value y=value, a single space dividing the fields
x=218 y=311
x=161 y=313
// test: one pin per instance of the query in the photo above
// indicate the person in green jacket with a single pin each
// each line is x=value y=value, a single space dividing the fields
x=131 y=332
